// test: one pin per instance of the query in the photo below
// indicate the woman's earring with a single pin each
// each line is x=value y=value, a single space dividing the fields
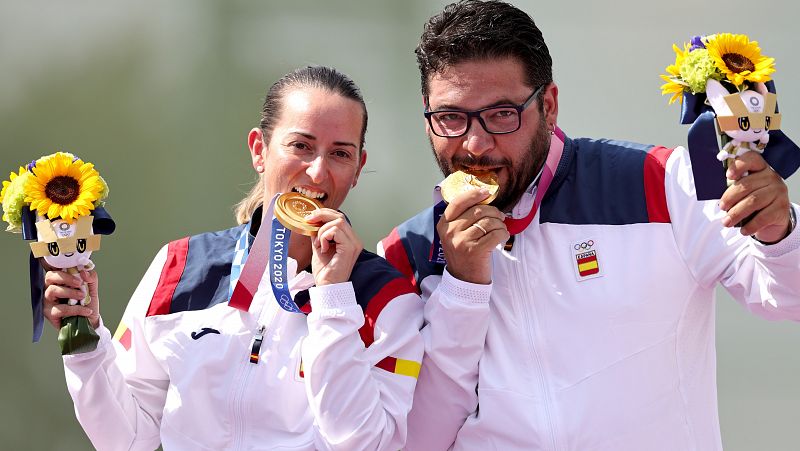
x=259 y=169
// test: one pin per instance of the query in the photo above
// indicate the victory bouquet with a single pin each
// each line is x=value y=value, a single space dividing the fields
x=56 y=202
x=725 y=88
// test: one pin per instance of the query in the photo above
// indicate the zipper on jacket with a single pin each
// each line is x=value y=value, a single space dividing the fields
x=525 y=306
x=255 y=347
x=239 y=418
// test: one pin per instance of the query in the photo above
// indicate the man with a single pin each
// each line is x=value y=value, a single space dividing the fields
x=576 y=312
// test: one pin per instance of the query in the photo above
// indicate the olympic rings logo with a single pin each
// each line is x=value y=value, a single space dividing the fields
x=585 y=245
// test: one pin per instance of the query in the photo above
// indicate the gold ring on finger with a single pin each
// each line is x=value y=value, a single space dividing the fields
x=475 y=224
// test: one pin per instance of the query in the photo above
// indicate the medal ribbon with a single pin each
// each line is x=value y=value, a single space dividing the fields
x=273 y=243
x=279 y=263
x=514 y=226
x=437 y=253
x=240 y=255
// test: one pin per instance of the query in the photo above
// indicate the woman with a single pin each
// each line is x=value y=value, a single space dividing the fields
x=189 y=371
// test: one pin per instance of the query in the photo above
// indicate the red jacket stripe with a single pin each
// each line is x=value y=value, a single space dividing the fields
x=388 y=364
x=654 y=174
x=396 y=255
x=391 y=290
x=170 y=276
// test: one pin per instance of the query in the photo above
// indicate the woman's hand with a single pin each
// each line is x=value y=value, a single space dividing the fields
x=335 y=248
x=61 y=285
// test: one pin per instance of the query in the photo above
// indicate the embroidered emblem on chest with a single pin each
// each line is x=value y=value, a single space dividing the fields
x=204 y=331
x=585 y=261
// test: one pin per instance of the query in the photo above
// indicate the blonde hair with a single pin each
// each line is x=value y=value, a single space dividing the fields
x=245 y=208
x=311 y=76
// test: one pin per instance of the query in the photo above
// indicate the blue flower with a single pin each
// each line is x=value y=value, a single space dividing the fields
x=697 y=43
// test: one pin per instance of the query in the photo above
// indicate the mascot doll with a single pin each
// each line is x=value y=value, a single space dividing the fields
x=57 y=203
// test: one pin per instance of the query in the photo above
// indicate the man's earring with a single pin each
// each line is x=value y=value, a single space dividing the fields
x=553 y=128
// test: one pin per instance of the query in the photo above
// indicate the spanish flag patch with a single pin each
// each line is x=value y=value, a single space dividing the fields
x=586 y=263
x=123 y=336
x=390 y=364
x=400 y=366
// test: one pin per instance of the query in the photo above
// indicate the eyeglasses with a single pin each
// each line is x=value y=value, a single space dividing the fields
x=497 y=120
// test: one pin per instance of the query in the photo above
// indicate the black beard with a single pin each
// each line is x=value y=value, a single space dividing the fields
x=519 y=178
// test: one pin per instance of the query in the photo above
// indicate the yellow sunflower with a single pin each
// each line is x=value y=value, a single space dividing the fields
x=739 y=58
x=62 y=186
x=673 y=84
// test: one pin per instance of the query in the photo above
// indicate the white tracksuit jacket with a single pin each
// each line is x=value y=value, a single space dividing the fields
x=186 y=380
x=612 y=354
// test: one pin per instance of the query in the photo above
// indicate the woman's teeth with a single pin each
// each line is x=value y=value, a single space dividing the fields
x=308 y=193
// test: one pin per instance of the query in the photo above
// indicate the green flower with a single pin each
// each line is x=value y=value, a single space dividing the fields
x=103 y=193
x=697 y=67
x=14 y=200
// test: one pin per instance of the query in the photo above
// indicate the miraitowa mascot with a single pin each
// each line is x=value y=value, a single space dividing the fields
x=57 y=203
x=727 y=95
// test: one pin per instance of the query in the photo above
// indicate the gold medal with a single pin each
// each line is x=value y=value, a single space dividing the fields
x=291 y=210
x=459 y=182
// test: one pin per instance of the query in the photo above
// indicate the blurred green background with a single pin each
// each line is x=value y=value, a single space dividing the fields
x=160 y=96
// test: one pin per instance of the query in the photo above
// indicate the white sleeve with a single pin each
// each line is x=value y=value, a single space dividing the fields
x=456 y=322
x=356 y=404
x=119 y=394
x=764 y=278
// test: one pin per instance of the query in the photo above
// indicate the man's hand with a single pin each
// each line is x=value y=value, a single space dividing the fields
x=335 y=249
x=469 y=232
x=60 y=285
x=762 y=191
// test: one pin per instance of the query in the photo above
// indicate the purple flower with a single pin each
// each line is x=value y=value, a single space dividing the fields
x=697 y=43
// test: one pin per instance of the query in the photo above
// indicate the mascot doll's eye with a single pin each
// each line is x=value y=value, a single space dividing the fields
x=81 y=245
x=53 y=248
x=766 y=123
x=744 y=123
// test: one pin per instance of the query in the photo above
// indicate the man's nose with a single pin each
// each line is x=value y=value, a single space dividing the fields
x=477 y=140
